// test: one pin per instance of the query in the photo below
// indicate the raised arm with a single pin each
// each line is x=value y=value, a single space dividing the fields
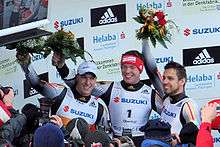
x=151 y=69
x=44 y=88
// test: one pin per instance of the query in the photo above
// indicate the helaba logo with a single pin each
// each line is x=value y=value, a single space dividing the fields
x=201 y=56
x=104 y=38
x=67 y=22
x=164 y=59
x=108 y=15
x=201 y=31
x=108 y=37
x=148 y=5
x=200 y=78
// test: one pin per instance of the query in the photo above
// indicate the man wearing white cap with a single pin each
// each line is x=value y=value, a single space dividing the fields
x=72 y=102
x=130 y=101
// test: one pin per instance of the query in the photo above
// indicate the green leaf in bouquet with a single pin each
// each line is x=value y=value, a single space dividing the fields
x=153 y=40
x=139 y=19
x=162 y=42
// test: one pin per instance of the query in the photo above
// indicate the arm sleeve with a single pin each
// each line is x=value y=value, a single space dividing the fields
x=105 y=118
x=64 y=71
x=151 y=68
x=157 y=102
x=204 y=137
x=191 y=113
x=44 y=88
x=103 y=91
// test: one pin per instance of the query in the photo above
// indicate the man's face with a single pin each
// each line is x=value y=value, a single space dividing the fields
x=130 y=73
x=85 y=84
x=171 y=84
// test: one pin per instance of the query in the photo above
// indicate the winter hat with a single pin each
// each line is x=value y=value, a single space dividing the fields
x=49 y=135
x=87 y=67
x=78 y=128
x=154 y=143
x=97 y=138
x=157 y=129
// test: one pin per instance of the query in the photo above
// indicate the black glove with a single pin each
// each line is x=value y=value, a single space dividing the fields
x=32 y=113
x=188 y=133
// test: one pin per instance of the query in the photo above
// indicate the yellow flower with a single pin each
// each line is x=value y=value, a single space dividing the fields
x=162 y=31
x=151 y=27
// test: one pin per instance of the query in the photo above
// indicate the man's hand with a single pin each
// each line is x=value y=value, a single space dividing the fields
x=7 y=98
x=176 y=139
x=58 y=59
x=56 y=120
x=23 y=58
x=208 y=112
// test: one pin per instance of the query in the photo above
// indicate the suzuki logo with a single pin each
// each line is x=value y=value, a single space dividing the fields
x=218 y=76
x=187 y=32
x=116 y=99
x=56 y=25
x=66 y=108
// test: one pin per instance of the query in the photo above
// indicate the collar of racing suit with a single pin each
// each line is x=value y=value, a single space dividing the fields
x=132 y=87
x=178 y=97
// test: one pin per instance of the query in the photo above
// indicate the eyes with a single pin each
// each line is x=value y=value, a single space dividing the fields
x=168 y=78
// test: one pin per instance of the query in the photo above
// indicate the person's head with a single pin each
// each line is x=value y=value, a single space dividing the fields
x=49 y=135
x=86 y=78
x=97 y=138
x=132 y=64
x=78 y=129
x=174 y=78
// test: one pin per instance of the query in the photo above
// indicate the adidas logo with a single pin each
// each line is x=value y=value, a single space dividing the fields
x=203 y=58
x=108 y=17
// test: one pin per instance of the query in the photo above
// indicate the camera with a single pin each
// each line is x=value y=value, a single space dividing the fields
x=45 y=107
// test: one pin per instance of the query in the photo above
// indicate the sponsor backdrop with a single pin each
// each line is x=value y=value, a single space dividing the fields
x=107 y=29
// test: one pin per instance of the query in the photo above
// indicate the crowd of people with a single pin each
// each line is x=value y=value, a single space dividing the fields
x=86 y=113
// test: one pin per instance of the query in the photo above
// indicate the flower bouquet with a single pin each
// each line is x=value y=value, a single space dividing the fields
x=24 y=47
x=66 y=44
x=155 y=26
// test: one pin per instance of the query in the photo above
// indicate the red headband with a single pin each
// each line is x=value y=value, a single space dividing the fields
x=134 y=60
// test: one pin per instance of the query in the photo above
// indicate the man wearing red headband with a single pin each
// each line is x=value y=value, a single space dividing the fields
x=130 y=101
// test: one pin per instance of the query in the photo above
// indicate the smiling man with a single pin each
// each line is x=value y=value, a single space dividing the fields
x=179 y=110
x=130 y=101
x=73 y=102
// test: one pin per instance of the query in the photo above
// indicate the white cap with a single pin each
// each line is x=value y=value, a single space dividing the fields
x=87 y=67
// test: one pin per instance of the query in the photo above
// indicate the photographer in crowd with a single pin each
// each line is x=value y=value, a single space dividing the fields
x=69 y=103
x=208 y=114
x=6 y=106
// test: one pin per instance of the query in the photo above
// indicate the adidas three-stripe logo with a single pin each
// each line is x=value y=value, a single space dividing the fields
x=203 y=58
x=108 y=17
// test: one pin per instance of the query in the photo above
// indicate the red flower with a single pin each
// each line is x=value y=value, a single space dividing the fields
x=160 y=15
x=162 y=22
